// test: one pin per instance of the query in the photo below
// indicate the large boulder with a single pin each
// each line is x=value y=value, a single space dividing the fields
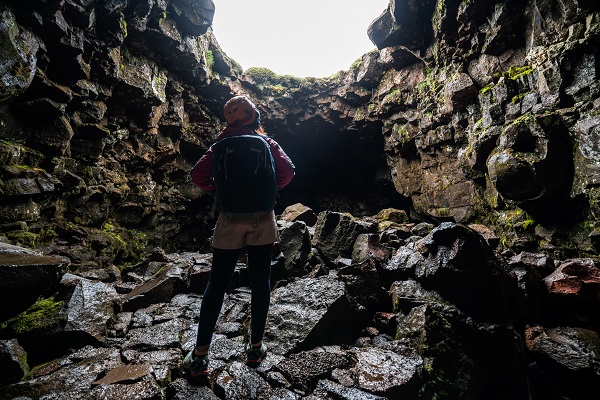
x=335 y=233
x=89 y=312
x=572 y=294
x=170 y=279
x=456 y=262
x=566 y=359
x=193 y=17
x=393 y=374
x=18 y=58
x=25 y=275
x=533 y=163
x=311 y=312
x=403 y=23
x=296 y=247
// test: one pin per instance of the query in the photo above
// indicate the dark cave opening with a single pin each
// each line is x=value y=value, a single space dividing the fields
x=338 y=170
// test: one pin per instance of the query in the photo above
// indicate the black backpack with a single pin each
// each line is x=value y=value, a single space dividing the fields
x=244 y=174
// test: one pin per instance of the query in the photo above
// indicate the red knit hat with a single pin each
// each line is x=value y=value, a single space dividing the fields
x=240 y=111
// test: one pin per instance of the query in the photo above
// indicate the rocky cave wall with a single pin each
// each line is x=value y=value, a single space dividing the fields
x=468 y=111
x=488 y=112
x=105 y=108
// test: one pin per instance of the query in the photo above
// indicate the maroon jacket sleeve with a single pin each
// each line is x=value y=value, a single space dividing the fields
x=283 y=164
x=202 y=172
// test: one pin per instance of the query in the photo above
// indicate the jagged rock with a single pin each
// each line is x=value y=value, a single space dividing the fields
x=364 y=287
x=121 y=324
x=69 y=376
x=483 y=359
x=17 y=154
x=385 y=323
x=328 y=389
x=40 y=330
x=200 y=273
x=142 y=84
x=483 y=68
x=111 y=26
x=222 y=63
x=459 y=265
x=392 y=215
x=398 y=57
x=368 y=247
x=71 y=70
x=335 y=233
x=18 y=60
x=182 y=54
x=529 y=280
x=182 y=389
x=194 y=17
x=303 y=370
x=69 y=39
x=459 y=91
x=25 y=275
x=587 y=154
x=296 y=247
x=87 y=149
x=43 y=88
x=21 y=185
x=146 y=388
x=572 y=354
x=125 y=373
x=170 y=280
x=409 y=294
x=501 y=31
x=369 y=71
x=402 y=23
x=89 y=312
x=542 y=263
x=299 y=212
x=226 y=350
x=13 y=361
x=301 y=306
x=441 y=196
x=156 y=337
x=138 y=15
x=487 y=233
x=573 y=293
x=44 y=108
x=387 y=373
x=531 y=162
x=481 y=146
x=403 y=262
x=54 y=137
x=238 y=382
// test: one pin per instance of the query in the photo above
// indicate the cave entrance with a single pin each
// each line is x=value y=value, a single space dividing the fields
x=338 y=170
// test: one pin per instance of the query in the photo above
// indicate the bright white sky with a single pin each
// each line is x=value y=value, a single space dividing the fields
x=303 y=38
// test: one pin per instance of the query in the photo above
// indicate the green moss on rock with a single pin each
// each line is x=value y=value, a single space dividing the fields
x=43 y=315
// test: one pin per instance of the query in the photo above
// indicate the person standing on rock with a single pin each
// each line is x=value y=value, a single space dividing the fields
x=240 y=225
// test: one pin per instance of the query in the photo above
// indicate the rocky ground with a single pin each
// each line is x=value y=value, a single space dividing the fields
x=473 y=126
x=367 y=308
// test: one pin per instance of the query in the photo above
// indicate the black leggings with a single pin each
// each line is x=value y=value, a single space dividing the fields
x=223 y=266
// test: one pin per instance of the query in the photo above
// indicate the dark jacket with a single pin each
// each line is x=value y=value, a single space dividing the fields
x=202 y=171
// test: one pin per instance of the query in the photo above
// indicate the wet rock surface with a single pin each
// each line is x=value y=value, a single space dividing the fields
x=443 y=241
x=24 y=275
x=341 y=330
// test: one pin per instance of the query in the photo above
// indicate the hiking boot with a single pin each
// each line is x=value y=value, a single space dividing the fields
x=196 y=365
x=255 y=355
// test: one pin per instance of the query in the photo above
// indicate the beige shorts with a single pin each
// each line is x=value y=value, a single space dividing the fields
x=235 y=231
